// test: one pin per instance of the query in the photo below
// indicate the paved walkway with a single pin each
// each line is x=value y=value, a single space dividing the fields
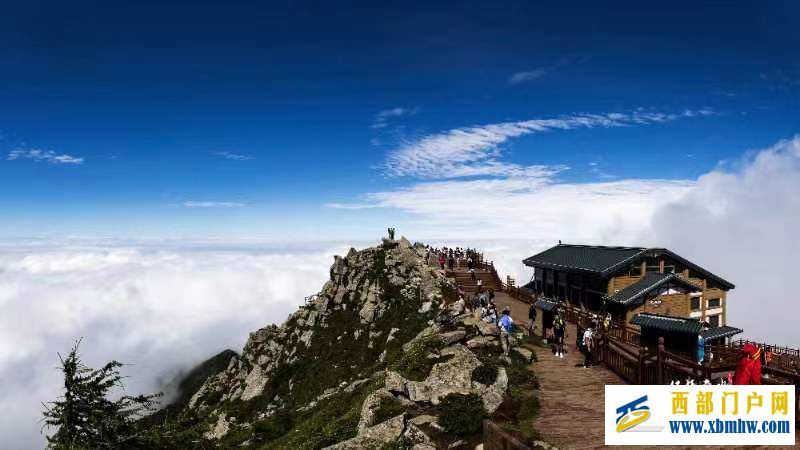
x=572 y=397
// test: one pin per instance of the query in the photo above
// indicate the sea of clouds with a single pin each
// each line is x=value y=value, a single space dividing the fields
x=164 y=306
x=159 y=307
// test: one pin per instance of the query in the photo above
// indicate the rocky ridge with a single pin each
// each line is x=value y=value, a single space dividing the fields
x=382 y=331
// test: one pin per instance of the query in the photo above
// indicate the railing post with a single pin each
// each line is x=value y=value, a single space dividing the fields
x=640 y=375
x=659 y=361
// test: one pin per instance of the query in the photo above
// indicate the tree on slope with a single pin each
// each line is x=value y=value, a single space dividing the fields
x=85 y=417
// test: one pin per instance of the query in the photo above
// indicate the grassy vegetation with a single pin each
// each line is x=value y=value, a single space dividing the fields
x=415 y=364
x=525 y=401
x=485 y=374
x=388 y=407
x=461 y=415
x=403 y=443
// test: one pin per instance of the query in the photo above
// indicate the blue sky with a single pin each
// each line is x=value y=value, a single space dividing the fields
x=285 y=120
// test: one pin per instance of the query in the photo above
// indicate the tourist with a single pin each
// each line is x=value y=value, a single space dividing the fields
x=479 y=282
x=748 y=370
x=489 y=314
x=441 y=260
x=506 y=328
x=491 y=295
x=559 y=332
x=701 y=349
x=531 y=319
x=588 y=346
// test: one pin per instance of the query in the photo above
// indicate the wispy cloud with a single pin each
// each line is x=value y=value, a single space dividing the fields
x=475 y=151
x=525 y=76
x=234 y=156
x=351 y=206
x=212 y=204
x=48 y=156
x=382 y=118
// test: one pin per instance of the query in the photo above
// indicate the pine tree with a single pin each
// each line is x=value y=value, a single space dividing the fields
x=85 y=417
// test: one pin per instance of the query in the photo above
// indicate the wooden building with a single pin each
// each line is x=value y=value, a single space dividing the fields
x=626 y=281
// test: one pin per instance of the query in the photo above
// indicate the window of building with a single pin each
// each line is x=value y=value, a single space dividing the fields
x=635 y=270
x=695 y=303
x=669 y=269
x=714 y=303
x=713 y=321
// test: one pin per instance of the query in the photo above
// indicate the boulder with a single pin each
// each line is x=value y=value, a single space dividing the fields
x=422 y=335
x=452 y=376
x=452 y=336
x=486 y=329
x=493 y=395
x=395 y=382
x=375 y=436
x=482 y=341
x=369 y=407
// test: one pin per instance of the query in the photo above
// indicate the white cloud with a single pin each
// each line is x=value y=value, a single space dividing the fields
x=528 y=75
x=159 y=307
x=742 y=224
x=352 y=206
x=474 y=151
x=534 y=74
x=212 y=204
x=382 y=118
x=43 y=155
x=234 y=156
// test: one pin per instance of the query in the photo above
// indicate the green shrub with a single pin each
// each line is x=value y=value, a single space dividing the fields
x=403 y=443
x=415 y=364
x=273 y=427
x=461 y=415
x=485 y=374
x=519 y=373
x=388 y=407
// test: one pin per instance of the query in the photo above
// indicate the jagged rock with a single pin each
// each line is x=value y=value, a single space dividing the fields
x=395 y=382
x=452 y=336
x=254 y=383
x=414 y=434
x=458 y=444
x=392 y=332
x=452 y=376
x=482 y=341
x=375 y=436
x=423 y=419
x=422 y=335
x=369 y=406
x=486 y=329
x=492 y=396
x=426 y=307
x=220 y=428
x=404 y=244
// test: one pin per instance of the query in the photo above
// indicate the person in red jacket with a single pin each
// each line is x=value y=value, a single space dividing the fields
x=748 y=371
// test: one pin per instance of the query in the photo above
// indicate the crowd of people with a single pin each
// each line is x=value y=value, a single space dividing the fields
x=450 y=258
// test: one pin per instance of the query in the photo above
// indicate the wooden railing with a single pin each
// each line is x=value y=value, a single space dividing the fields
x=621 y=350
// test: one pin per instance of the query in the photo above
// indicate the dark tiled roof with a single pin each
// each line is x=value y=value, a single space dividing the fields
x=648 y=283
x=720 y=332
x=582 y=257
x=546 y=304
x=667 y=323
x=606 y=260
